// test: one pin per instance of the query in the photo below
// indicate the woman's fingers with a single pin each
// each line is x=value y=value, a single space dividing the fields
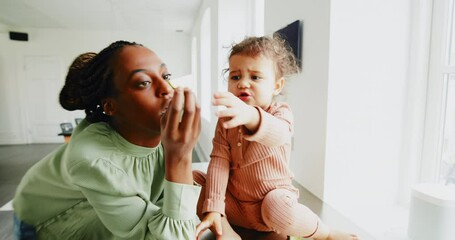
x=189 y=112
x=179 y=135
x=182 y=122
x=197 y=120
x=174 y=110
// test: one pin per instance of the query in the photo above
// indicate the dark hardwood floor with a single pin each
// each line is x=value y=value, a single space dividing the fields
x=15 y=160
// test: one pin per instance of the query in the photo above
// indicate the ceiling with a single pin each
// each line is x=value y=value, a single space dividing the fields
x=114 y=15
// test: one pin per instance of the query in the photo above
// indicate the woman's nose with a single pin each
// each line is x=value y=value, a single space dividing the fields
x=165 y=88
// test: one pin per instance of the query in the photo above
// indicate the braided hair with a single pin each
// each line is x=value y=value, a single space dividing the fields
x=90 y=80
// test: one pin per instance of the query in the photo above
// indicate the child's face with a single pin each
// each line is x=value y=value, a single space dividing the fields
x=143 y=92
x=253 y=79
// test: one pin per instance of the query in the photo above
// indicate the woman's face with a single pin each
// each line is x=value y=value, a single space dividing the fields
x=142 y=93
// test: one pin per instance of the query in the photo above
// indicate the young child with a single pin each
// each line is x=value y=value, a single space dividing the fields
x=126 y=172
x=249 y=183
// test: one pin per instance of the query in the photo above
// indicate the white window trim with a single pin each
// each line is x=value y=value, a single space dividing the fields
x=430 y=164
x=414 y=116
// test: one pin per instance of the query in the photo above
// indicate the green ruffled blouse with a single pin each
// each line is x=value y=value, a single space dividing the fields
x=100 y=186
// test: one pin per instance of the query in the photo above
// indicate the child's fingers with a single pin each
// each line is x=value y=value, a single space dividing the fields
x=201 y=227
x=218 y=228
x=224 y=99
x=234 y=122
x=229 y=112
x=222 y=95
x=222 y=102
x=199 y=234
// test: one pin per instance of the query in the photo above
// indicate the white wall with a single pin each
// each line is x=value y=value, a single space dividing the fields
x=349 y=100
x=64 y=45
x=204 y=147
x=369 y=49
x=307 y=93
x=231 y=21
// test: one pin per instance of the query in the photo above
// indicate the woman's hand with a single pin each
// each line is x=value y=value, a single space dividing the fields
x=180 y=128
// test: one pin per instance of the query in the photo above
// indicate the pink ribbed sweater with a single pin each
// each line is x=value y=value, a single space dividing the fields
x=250 y=165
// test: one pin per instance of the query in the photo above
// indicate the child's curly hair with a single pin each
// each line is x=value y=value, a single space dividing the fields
x=275 y=48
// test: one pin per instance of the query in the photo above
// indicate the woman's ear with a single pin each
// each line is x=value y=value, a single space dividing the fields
x=279 y=84
x=109 y=107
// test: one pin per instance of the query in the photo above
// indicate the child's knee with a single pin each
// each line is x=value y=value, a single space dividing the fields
x=277 y=209
x=284 y=198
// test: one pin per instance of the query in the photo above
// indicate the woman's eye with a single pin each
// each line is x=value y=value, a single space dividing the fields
x=144 y=84
x=167 y=76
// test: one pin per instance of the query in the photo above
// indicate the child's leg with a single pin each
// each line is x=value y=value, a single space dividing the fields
x=282 y=212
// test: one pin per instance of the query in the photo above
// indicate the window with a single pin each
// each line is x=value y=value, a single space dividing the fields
x=194 y=70
x=439 y=148
x=447 y=169
x=447 y=165
x=205 y=67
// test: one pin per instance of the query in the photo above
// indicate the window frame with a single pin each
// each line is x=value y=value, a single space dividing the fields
x=436 y=94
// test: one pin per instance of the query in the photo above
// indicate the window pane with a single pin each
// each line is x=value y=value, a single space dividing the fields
x=205 y=68
x=450 y=34
x=448 y=144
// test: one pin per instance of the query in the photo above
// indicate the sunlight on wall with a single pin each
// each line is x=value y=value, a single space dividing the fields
x=194 y=71
x=205 y=66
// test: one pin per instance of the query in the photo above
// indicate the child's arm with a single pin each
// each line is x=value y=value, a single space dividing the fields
x=239 y=112
x=275 y=128
x=271 y=129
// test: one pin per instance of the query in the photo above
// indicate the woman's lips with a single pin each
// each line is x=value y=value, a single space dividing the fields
x=165 y=106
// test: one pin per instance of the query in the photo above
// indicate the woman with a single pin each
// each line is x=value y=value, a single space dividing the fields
x=126 y=172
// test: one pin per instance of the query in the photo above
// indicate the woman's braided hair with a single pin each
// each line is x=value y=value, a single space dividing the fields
x=90 y=80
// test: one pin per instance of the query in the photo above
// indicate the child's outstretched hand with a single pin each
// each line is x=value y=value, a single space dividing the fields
x=211 y=220
x=238 y=111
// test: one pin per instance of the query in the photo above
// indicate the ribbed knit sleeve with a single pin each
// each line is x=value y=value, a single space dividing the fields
x=218 y=172
x=275 y=127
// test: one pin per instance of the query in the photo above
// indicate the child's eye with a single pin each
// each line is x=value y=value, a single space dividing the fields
x=167 y=76
x=235 y=78
x=254 y=77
